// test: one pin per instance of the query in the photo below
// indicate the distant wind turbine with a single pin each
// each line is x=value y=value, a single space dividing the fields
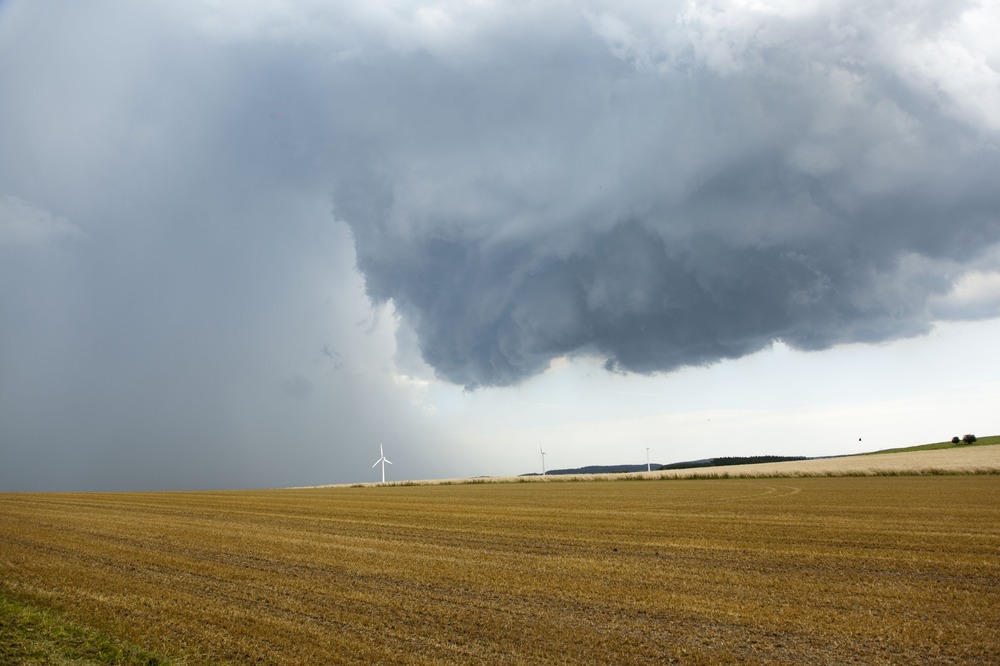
x=382 y=460
x=647 y=458
x=543 y=458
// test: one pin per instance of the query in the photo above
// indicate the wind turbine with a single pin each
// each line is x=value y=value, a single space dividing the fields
x=647 y=458
x=543 y=458
x=382 y=460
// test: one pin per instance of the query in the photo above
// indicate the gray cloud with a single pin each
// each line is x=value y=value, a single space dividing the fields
x=194 y=200
x=752 y=178
x=297 y=387
x=21 y=223
x=183 y=264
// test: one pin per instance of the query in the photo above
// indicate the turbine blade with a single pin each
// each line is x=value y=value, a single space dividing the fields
x=376 y=464
x=388 y=461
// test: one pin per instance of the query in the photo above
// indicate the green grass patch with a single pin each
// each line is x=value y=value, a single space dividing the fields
x=33 y=635
x=982 y=441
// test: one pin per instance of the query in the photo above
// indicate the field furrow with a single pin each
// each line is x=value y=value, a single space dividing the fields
x=805 y=570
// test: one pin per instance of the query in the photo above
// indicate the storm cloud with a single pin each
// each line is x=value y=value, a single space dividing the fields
x=215 y=217
x=675 y=187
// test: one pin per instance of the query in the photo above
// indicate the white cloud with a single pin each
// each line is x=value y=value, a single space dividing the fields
x=976 y=295
x=956 y=61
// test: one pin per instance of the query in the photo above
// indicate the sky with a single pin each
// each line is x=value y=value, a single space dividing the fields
x=242 y=244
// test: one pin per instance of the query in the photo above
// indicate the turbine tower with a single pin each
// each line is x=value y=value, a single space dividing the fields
x=382 y=460
x=543 y=458
x=647 y=458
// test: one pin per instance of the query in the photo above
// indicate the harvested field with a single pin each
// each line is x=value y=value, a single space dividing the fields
x=811 y=570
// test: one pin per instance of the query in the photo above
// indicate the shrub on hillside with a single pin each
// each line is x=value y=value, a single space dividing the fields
x=955 y=439
x=969 y=439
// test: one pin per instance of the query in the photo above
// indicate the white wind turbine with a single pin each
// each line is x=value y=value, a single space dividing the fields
x=382 y=460
x=543 y=458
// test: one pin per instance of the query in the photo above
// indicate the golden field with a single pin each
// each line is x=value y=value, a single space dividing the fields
x=961 y=460
x=791 y=570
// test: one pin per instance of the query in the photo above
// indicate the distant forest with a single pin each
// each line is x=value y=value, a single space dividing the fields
x=731 y=460
x=599 y=469
x=707 y=462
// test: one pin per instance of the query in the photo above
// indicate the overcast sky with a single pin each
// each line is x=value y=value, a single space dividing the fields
x=244 y=243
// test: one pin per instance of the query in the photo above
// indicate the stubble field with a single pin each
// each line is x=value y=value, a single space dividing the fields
x=799 y=570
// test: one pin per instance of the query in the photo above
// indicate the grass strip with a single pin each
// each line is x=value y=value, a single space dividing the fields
x=33 y=635
x=982 y=441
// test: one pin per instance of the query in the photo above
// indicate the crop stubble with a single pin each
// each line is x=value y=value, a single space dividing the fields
x=822 y=570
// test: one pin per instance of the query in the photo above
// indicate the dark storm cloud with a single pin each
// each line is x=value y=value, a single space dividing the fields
x=672 y=205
